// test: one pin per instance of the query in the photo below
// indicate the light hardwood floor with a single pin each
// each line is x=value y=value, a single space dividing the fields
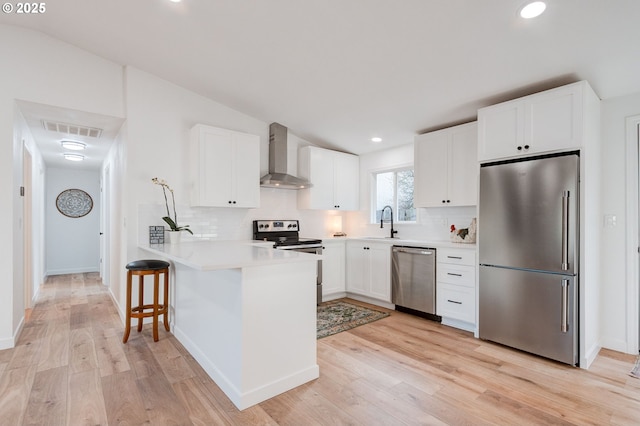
x=70 y=367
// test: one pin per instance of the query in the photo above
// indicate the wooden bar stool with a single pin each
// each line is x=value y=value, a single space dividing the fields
x=141 y=268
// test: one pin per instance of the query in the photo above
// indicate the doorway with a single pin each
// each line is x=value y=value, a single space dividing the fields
x=48 y=126
x=105 y=243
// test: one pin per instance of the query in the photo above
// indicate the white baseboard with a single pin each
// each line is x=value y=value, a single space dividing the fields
x=619 y=345
x=371 y=300
x=462 y=325
x=7 y=343
x=73 y=271
x=590 y=356
x=333 y=296
x=10 y=342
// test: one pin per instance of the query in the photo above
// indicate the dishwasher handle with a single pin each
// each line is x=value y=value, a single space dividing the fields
x=413 y=250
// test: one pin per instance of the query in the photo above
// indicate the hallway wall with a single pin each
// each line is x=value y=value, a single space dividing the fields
x=72 y=244
x=44 y=70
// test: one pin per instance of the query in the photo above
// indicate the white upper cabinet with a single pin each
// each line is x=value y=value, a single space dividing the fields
x=544 y=122
x=334 y=176
x=225 y=168
x=446 y=167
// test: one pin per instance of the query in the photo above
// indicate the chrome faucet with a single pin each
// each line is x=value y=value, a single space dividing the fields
x=382 y=219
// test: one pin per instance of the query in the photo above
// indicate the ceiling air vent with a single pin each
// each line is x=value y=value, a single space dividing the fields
x=72 y=129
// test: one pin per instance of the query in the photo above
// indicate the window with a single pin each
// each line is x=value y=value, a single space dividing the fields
x=394 y=188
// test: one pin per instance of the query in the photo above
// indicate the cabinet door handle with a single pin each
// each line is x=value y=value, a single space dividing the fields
x=519 y=148
x=454 y=301
x=455 y=275
x=455 y=257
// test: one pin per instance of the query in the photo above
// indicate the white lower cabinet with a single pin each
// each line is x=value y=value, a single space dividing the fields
x=369 y=269
x=456 y=287
x=333 y=269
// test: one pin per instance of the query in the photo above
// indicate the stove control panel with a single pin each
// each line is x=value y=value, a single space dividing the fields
x=275 y=225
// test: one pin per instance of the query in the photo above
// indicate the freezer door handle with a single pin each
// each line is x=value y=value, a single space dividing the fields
x=564 y=325
x=565 y=230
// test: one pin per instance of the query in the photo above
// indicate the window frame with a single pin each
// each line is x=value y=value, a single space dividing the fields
x=374 y=192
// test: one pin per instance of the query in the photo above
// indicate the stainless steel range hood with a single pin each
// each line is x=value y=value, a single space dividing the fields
x=278 y=176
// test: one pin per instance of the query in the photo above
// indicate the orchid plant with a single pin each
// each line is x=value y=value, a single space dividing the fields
x=173 y=223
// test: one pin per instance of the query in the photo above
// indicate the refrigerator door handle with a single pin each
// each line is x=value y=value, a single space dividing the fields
x=564 y=325
x=565 y=230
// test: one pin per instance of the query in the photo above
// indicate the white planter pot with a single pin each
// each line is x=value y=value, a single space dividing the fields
x=174 y=237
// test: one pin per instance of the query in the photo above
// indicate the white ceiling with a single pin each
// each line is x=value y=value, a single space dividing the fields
x=337 y=72
x=49 y=142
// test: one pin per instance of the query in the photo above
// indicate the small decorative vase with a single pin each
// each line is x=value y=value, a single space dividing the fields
x=174 y=237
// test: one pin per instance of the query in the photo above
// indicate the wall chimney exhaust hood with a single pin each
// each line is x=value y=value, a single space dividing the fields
x=279 y=176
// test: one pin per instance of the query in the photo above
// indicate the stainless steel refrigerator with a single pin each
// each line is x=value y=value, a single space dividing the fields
x=528 y=254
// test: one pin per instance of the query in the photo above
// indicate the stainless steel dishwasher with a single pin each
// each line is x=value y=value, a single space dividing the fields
x=413 y=280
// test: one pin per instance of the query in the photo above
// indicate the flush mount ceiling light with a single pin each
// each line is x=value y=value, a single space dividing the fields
x=533 y=9
x=73 y=157
x=73 y=145
x=376 y=139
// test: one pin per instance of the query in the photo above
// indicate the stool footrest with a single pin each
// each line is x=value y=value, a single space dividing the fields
x=139 y=311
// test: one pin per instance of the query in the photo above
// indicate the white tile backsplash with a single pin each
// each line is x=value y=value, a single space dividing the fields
x=220 y=223
x=236 y=224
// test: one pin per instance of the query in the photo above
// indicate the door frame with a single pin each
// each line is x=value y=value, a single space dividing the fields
x=27 y=224
x=633 y=237
x=105 y=226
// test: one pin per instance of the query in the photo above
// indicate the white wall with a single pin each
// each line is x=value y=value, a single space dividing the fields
x=615 y=276
x=40 y=69
x=431 y=223
x=72 y=244
x=159 y=118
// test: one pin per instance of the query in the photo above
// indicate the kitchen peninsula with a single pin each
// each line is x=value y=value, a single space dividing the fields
x=246 y=313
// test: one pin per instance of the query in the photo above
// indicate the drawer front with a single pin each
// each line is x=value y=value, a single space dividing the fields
x=456 y=274
x=456 y=256
x=456 y=302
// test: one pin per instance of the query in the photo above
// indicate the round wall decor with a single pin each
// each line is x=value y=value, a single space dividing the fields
x=74 y=203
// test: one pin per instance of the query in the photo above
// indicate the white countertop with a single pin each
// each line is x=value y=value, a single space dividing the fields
x=406 y=242
x=206 y=255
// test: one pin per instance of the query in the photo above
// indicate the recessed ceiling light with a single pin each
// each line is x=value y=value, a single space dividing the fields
x=73 y=157
x=533 y=9
x=175 y=1
x=376 y=139
x=73 y=145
